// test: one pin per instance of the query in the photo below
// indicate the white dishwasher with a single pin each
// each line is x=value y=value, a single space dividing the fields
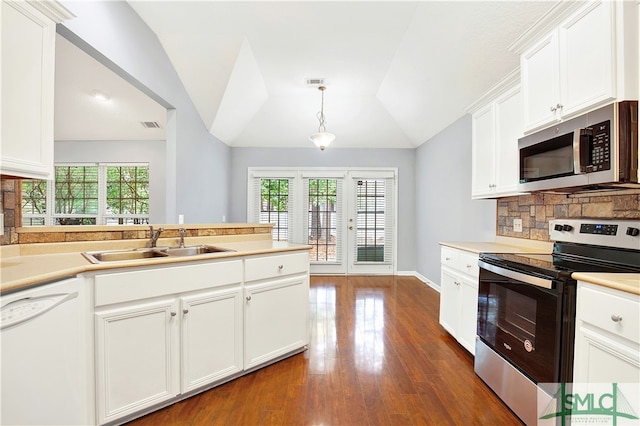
x=43 y=347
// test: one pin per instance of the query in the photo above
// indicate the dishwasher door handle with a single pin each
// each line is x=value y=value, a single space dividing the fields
x=25 y=309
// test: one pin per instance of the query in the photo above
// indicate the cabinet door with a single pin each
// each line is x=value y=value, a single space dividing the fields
x=449 y=302
x=211 y=337
x=482 y=152
x=594 y=350
x=468 y=314
x=28 y=46
x=276 y=319
x=508 y=129
x=136 y=357
x=587 y=58
x=540 y=82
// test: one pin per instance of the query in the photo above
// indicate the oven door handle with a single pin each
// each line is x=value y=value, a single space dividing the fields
x=528 y=279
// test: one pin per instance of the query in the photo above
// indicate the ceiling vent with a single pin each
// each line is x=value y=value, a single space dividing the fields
x=316 y=82
x=150 y=124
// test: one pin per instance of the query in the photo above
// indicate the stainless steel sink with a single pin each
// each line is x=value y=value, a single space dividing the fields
x=119 y=255
x=150 y=253
x=195 y=250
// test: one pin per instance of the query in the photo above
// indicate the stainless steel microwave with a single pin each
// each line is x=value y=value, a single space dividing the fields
x=593 y=151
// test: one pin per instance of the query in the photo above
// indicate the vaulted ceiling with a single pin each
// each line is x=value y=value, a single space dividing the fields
x=396 y=72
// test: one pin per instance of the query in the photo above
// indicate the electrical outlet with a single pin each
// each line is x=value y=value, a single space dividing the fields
x=517 y=225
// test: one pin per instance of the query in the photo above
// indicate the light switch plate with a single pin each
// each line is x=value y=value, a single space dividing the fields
x=517 y=225
x=1 y=223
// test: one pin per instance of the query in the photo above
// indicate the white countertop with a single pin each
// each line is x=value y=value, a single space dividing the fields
x=18 y=271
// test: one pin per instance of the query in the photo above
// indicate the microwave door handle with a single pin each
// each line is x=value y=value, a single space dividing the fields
x=582 y=143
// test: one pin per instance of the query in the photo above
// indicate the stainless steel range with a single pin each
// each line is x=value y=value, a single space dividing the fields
x=526 y=306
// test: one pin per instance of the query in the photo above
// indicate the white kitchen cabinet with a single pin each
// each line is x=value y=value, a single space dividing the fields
x=137 y=357
x=459 y=295
x=576 y=66
x=276 y=307
x=163 y=331
x=211 y=336
x=607 y=334
x=28 y=62
x=496 y=127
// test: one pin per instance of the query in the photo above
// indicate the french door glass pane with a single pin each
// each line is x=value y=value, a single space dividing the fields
x=274 y=206
x=322 y=219
x=370 y=220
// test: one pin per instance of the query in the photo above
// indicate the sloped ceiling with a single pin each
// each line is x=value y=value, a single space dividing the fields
x=78 y=116
x=396 y=72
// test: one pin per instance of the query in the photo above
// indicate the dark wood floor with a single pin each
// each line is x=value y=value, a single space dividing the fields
x=377 y=356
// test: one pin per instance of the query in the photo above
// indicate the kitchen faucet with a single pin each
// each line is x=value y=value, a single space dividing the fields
x=182 y=231
x=154 y=236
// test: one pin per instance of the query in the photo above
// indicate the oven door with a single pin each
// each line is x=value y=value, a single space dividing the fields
x=520 y=317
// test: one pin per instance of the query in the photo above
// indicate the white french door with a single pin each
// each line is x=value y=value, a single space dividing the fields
x=347 y=216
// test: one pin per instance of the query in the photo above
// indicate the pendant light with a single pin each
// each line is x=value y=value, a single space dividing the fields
x=322 y=138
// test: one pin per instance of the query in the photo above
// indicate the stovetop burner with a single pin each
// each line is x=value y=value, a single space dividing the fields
x=557 y=265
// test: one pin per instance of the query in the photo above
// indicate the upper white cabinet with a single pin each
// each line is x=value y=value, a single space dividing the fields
x=28 y=65
x=584 y=61
x=496 y=127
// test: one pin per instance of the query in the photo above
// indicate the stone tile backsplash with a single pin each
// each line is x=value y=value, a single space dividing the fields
x=536 y=210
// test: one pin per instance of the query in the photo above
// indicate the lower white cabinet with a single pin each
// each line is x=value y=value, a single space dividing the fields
x=275 y=319
x=211 y=337
x=164 y=332
x=459 y=295
x=607 y=348
x=276 y=307
x=137 y=357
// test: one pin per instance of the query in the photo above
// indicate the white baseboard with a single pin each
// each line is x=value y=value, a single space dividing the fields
x=422 y=278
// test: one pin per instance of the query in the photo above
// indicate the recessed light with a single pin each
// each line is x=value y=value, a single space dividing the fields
x=100 y=96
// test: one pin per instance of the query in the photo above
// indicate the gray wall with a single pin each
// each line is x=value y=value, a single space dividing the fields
x=444 y=208
x=403 y=159
x=152 y=152
x=197 y=164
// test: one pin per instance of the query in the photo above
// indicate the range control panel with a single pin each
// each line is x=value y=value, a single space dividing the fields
x=603 y=232
x=598 y=228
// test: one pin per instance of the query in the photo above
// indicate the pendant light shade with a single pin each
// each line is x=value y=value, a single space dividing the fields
x=322 y=138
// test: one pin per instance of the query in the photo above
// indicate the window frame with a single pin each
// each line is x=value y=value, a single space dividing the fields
x=101 y=217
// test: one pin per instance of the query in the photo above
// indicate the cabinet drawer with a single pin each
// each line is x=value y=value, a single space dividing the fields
x=614 y=311
x=468 y=263
x=264 y=267
x=449 y=257
x=145 y=283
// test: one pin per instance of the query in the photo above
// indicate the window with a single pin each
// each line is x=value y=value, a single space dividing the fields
x=322 y=195
x=274 y=206
x=88 y=194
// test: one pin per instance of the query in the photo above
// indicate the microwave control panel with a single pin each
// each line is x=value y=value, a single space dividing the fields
x=600 y=147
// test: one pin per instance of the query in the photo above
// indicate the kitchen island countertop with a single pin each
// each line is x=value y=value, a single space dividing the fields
x=22 y=271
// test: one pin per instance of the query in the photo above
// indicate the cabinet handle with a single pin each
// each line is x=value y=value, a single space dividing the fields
x=554 y=109
x=559 y=106
x=173 y=314
x=456 y=283
x=248 y=298
x=280 y=267
x=468 y=265
x=185 y=311
x=447 y=258
x=616 y=318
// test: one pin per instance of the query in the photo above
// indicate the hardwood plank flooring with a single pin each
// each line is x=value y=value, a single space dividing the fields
x=377 y=356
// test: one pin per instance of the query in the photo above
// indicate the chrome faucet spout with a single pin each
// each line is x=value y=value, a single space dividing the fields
x=153 y=236
x=182 y=232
